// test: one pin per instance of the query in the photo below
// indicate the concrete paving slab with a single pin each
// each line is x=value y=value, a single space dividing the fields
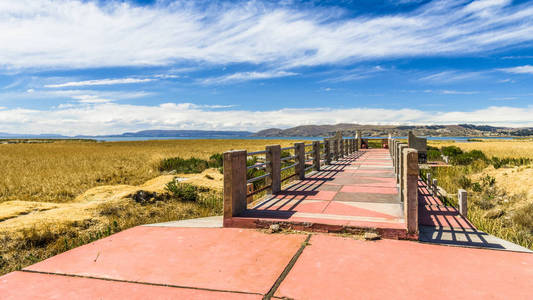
x=36 y=286
x=369 y=189
x=341 y=268
x=466 y=238
x=208 y=222
x=207 y=258
x=367 y=197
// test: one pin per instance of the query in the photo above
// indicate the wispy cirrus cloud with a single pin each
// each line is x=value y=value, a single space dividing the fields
x=526 y=69
x=76 y=34
x=246 y=76
x=451 y=76
x=99 y=82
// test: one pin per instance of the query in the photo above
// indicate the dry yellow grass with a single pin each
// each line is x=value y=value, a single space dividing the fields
x=58 y=172
x=509 y=148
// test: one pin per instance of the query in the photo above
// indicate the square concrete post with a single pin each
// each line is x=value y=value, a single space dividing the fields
x=347 y=147
x=358 y=138
x=410 y=189
x=393 y=154
x=353 y=145
x=401 y=165
x=327 y=151
x=428 y=181
x=335 y=149
x=316 y=155
x=341 y=147
x=273 y=166
x=434 y=188
x=463 y=202
x=234 y=183
x=299 y=151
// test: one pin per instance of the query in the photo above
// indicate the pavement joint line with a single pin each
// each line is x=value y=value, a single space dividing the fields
x=287 y=269
x=140 y=282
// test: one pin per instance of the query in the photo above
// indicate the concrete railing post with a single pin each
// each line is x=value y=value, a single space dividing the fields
x=335 y=149
x=434 y=188
x=399 y=156
x=463 y=202
x=316 y=155
x=234 y=183
x=410 y=189
x=341 y=147
x=428 y=182
x=347 y=147
x=327 y=151
x=273 y=166
x=299 y=151
x=358 y=138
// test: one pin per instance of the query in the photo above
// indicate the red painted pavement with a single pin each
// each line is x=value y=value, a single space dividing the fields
x=209 y=258
x=343 y=268
x=25 y=285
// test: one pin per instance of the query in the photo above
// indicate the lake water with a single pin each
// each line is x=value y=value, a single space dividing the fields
x=122 y=139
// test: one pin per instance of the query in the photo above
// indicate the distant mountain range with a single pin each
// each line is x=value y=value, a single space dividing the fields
x=385 y=130
x=144 y=133
x=311 y=131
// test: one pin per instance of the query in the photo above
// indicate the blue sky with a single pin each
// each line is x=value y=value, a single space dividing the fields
x=101 y=67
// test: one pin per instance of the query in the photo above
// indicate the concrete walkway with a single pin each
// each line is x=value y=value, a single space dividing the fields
x=166 y=261
x=357 y=192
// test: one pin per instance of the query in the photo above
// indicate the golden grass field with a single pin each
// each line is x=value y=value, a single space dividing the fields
x=509 y=203
x=55 y=196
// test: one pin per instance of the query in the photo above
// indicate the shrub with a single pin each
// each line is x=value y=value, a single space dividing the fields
x=464 y=182
x=185 y=166
x=524 y=217
x=216 y=160
x=184 y=191
x=434 y=154
x=451 y=151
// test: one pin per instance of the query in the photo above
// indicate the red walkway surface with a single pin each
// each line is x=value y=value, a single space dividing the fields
x=228 y=263
x=356 y=192
x=432 y=212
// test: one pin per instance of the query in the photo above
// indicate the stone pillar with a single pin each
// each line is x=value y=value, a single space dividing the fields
x=434 y=188
x=341 y=147
x=347 y=146
x=273 y=166
x=327 y=151
x=335 y=149
x=316 y=155
x=299 y=151
x=234 y=183
x=399 y=157
x=358 y=137
x=410 y=189
x=463 y=202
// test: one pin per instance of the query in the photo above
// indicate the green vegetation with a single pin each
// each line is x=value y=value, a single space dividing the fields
x=191 y=165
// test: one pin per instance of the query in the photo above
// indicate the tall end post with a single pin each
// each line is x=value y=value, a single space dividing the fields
x=341 y=147
x=299 y=151
x=234 y=184
x=410 y=189
x=273 y=166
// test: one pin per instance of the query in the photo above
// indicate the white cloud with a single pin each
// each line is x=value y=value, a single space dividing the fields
x=245 y=76
x=3 y=107
x=116 y=118
x=453 y=92
x=451 y=76
x=99 y=82
x=83 y=34
x=527 y=69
